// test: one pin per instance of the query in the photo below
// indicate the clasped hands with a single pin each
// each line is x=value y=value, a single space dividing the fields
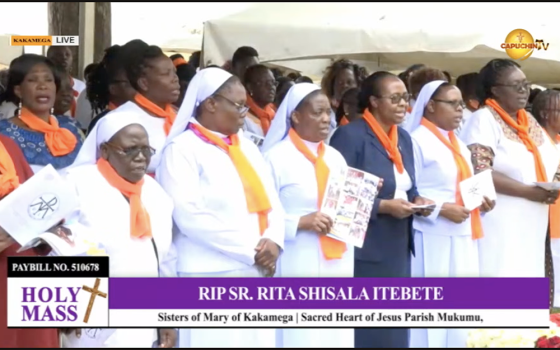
x=267 y=256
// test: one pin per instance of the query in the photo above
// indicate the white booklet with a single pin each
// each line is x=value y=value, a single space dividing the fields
x=348 y=200
x=40 y=203
x=475 y=188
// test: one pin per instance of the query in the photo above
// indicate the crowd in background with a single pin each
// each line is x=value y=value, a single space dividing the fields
x=162 y=132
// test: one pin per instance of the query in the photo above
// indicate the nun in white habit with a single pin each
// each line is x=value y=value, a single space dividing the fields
x=446 y=241
x=300 y=163
x=128 y=212
x=211 y=170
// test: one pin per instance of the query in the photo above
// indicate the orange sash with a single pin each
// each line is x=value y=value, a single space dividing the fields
x=140 y=226
x=389 y=142
x=332 y=248
x=60 y=141
x=265 y=115
x=554 y=210
x=255 y=194
x=9 y=180
x=344 y=121
x=179 y=61
x=463 y=173
x=409 y=109
x=111 y=106
x=522 y=128
x=169 y=113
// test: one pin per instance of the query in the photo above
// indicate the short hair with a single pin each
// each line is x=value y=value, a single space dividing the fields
x=448 y=76
x=542 y=102
x=186 y=72
x=276 y=72
x=19 y=68
x=304 y=79
x=468 y=83
x=251 y=71
x=349 y=96
x=194 y=59
x=372 y=87
x=177 y=55
x=294 y=76
x=489 y=75
x=533 y=94
x=243 y=53
x=135 y=55
x=99 y=80
x=327 y=83
x=408 y=72
x=422 y=77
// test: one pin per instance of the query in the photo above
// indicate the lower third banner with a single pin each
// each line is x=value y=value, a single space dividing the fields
x=75 y=292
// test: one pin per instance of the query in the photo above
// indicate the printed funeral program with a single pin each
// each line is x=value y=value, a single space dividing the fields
x=348 y=201
x=37 y=205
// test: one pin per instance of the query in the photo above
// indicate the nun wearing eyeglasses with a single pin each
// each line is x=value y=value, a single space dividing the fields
x=300 y=164
x=228 y=219
x=128 y=211
x=446 y=241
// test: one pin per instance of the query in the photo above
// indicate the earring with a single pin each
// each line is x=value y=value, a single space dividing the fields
x=52 y=111
x=20 y=106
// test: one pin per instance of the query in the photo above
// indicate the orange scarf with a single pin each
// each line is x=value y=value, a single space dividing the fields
x=60 y=141
x=255 y=194
x=463 y=173
x=522 y=128
x=554 y=209
x=265 y=115
x=179 y=61
x=344 y=121
x=74 y=104
x=390 y=142
x=111 y=106
x=409 y=109
x=169 y=113
x=9 y=180
x=332 y=248
x=140 y=226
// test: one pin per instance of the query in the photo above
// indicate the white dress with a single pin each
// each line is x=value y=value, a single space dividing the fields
x=443 y=248
x=106 y=213
x=214 y=233
x=515 y=230
x=296 y=184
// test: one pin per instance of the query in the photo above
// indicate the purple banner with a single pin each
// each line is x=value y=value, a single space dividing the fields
x=329 y=293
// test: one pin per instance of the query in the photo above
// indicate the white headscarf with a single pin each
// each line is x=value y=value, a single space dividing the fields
x=203 y=85
x=102 y=132
x=420 y=105
x=281 y=123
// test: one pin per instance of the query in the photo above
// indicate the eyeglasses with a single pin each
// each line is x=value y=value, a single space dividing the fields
x=133 y=152
x=453 y=104
x=518 y=86
x=396 y=98
x=240 y=108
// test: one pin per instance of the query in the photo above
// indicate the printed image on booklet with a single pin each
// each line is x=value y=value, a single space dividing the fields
x=348 y=201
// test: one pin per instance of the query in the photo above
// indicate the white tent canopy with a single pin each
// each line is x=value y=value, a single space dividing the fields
x=457 y=37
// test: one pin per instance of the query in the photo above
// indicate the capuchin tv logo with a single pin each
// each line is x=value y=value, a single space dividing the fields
x=50 y=304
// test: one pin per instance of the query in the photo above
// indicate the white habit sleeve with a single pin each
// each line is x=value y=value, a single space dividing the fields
x=418 y=167
x=291 y=222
